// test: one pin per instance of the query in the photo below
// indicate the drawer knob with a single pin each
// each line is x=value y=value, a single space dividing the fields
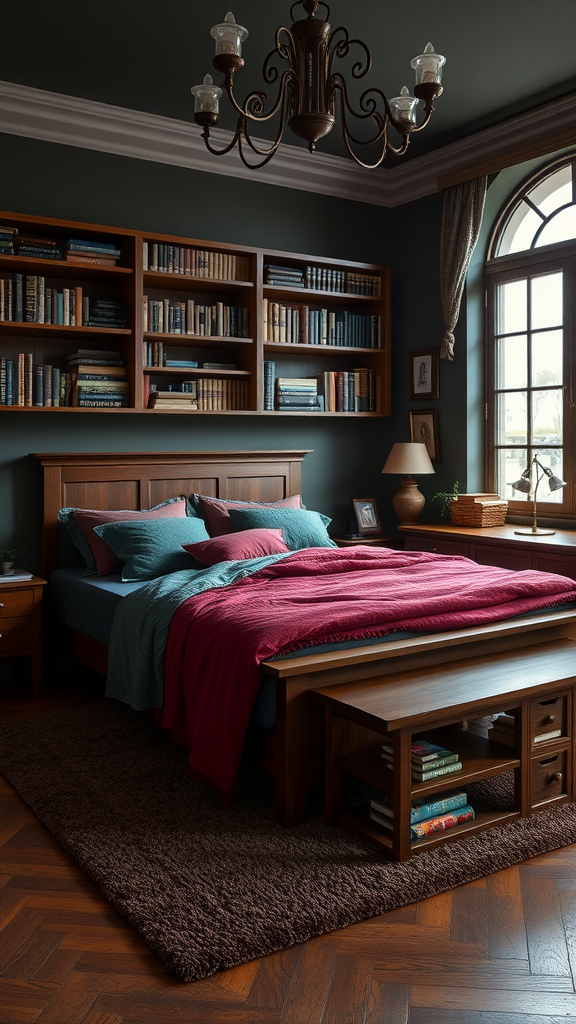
x=549 y=719
x=555 y=777
x=1 y=605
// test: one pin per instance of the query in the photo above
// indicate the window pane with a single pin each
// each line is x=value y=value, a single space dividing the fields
x=512 y=307
x=547 y=417
x=555 y=191
x=546 y=301
x=512 y=362
x=512 y=427
x=547 y=358
x=510 y=464
x=520 y=230
x=553 y=460
x=559 y=228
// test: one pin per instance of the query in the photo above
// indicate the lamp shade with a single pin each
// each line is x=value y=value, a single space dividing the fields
x=408 y=457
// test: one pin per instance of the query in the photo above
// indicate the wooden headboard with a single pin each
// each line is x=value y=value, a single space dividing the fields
x=137 y=480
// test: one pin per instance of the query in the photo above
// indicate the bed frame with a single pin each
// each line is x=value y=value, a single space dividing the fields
x=294 y=752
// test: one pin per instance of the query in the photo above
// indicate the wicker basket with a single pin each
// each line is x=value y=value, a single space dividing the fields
x=478 y=510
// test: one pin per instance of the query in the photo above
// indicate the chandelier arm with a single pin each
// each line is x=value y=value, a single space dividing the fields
x=276 y=143
x=221 y=152
x=255 y=100
x=381 y=121
x=341 y=48
x=428 y=111
x=348 y=137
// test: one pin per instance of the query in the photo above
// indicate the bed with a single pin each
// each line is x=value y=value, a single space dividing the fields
x=293 y=750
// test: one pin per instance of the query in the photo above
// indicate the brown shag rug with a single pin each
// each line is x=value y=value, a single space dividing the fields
x=209 y=888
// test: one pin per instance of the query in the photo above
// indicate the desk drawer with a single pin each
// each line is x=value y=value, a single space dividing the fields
x=549 y=716
x=15 y=602
x=549 y=780
x=16 y=635
x=440 y=547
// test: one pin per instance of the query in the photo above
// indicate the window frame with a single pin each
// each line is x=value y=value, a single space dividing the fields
x=560 y=256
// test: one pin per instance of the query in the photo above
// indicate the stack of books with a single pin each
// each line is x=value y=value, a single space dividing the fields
x=104 y=254
x=7 y=240
x=104 y=313
x=298 y=394
x=432 y=814
x=287 y=277
x=98 y=379
x=39 y=248
x=428 y=761
x=504 y=730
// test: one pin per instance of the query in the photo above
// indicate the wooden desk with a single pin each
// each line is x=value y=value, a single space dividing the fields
x=429 y=704
x=498 y=545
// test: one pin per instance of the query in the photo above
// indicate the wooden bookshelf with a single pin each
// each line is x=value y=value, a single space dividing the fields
x=181 y=286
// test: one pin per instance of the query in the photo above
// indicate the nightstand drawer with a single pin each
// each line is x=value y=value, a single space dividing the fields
x=549 y=718
x=439 y=547
x=16 y=635
x=15 y=602
x=549 y=780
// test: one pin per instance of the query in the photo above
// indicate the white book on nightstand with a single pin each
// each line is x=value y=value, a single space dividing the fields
x=18 y=576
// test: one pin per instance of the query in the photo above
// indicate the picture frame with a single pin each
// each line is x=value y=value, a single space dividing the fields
x=424 y=428
x=366 y=514
x=424 y=374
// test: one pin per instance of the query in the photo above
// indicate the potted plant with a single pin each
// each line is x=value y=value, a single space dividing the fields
x=443 y=499
x=7 y=557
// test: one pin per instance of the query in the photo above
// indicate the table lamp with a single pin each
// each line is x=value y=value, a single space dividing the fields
x=408 y=457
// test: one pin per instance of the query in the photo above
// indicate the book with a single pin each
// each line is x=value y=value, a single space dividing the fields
x=421 y=829
x=542 y=737
x=427 y=807
x=417 y=766
x=18 y=576
x=435 y=773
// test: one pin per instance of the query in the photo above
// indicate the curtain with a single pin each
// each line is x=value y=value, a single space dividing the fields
x=461 y=220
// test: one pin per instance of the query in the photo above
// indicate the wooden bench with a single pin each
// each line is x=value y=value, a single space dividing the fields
x=536 y=685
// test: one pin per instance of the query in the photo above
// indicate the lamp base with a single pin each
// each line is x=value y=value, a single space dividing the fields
x=535 y=532
x=408 y=502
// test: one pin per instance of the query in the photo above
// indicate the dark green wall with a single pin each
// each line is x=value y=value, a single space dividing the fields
x=52 y=180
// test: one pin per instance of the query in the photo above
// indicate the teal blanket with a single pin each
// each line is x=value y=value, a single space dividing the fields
x=141 y=625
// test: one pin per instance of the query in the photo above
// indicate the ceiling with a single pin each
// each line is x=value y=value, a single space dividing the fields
x=503 y=57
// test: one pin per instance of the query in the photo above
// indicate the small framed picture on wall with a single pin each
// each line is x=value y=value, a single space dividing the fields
x=366 y=515
x=424 y=428
x=424 y=374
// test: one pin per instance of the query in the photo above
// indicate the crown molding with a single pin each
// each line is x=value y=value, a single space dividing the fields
x=88 y=124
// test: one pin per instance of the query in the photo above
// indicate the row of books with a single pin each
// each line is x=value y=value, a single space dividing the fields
x=427 y=760
x=309 y=325
x=153 y=355
x=26 y=383
x=72 y=250
x=26 y=298
x=172 y=316
x=204 y=395
x=330 y=391
x=183 y=259
x=325 y=279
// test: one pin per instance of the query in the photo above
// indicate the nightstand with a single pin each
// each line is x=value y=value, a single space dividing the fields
x=376 y=541
x=21 y=624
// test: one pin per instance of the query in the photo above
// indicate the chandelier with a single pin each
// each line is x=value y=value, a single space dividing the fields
x=309 y=90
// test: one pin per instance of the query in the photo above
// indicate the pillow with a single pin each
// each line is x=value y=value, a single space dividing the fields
x=80 y=523
x=235 y=546
x=215 y=510
x=152 y=547
x=301 y=528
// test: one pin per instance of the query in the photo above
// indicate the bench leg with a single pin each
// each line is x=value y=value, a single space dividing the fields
x=292 y=729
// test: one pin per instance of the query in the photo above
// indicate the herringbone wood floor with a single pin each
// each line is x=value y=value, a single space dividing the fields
x=499 y=951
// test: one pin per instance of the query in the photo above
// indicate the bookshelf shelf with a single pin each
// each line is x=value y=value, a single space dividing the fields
x=184 y=297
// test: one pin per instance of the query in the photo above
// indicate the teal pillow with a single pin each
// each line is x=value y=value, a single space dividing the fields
x=152 y=547
x=301 y=528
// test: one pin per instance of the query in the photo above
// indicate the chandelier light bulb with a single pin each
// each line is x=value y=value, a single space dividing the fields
x=403 y=107
x=229 y=36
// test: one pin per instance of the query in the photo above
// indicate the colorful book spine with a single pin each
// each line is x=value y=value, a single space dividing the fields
x=441 y=823
x=422 y=810
x=436 y=773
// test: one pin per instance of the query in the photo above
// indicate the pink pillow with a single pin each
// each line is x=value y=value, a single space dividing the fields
x=214 y=511
x=106 y=560
x=232 y=547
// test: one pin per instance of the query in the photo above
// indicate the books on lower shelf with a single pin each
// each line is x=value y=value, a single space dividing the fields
x=18 y=576
x=204 y=395
x=426 y=817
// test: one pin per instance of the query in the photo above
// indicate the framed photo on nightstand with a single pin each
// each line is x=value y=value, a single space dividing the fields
x=366 y=516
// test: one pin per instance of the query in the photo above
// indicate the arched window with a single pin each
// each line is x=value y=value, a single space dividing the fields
x=531 y=305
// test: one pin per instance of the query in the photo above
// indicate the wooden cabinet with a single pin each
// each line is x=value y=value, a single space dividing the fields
x=21 y=624
x=537 y=685
x=196 y=322
x=498 y=545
